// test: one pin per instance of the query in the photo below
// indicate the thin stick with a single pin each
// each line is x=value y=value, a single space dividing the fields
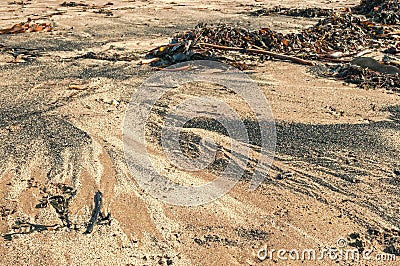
x=257 y=51
x=334 y=60
x=173 y=69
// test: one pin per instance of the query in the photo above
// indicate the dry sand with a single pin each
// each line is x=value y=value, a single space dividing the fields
x=340 y=144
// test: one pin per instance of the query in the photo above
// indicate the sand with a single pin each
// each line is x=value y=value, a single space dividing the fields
x=61 y=122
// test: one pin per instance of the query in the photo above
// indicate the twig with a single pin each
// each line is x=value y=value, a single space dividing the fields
x=173 y=69
x=164 y=46
x=335 y=60
x=257 y=51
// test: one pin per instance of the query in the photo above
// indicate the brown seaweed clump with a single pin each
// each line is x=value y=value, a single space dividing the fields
x=380 y=11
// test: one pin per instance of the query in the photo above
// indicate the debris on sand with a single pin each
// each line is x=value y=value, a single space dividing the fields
x=21 y=54
x=367 y=78
x=4 y=211
x=98 y=9
x=28 y=26
x=395 y=49
x=342 y=33
x=361 y=76
x=381 y=11
x=108 y=13
x=23 y=228
x=310 y=12
x=109 y=56
x=337 y=38
x=58 y=197
x=73 y=4
x=95 y=213
x=21 y=3
x=388 y=238
x=372 y=64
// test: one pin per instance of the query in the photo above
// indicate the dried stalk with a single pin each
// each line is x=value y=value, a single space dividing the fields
x=258 y=51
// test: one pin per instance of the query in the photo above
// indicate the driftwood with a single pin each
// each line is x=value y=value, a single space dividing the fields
x=95 y=213
x=258 y=51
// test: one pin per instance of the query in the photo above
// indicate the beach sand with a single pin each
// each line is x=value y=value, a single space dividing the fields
x=61 y=122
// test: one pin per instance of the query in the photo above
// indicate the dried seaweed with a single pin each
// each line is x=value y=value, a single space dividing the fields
x=109 y=56
x=73 y=4
x=343 y=33
x=338 y=38
x=381 y=11
x=96 y=211
x=59 y=202
x=310 y=12
x=108 y=13
x=4 y=211
x=362 y=77
x=24 y=228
